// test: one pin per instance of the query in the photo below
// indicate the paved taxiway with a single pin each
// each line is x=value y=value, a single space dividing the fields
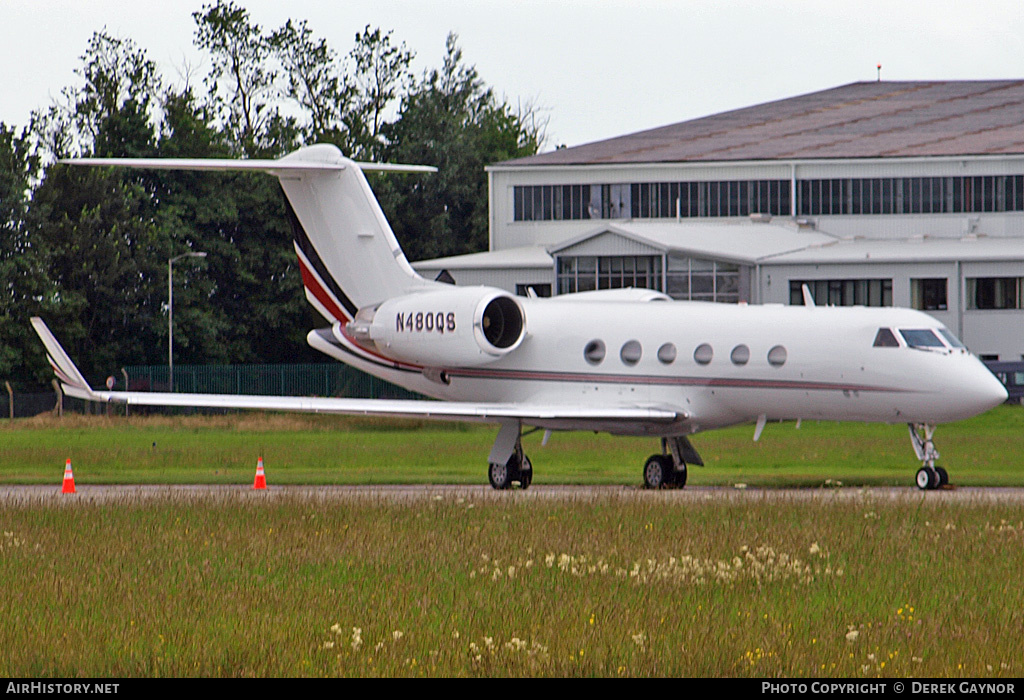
x=51 y=495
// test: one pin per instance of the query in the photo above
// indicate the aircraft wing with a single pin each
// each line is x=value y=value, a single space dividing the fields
x=75 y=385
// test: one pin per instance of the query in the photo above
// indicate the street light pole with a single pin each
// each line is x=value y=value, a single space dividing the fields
x=170 y=314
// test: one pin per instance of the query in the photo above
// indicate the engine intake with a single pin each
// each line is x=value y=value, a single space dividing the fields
x=502 y=322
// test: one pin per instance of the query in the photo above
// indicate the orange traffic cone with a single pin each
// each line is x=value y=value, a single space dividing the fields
x=69 y=479
x=261 y=479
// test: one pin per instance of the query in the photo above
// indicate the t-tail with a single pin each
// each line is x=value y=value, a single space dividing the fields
x=348 y=254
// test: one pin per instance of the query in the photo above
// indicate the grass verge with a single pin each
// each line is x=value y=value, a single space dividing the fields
x=632 y=585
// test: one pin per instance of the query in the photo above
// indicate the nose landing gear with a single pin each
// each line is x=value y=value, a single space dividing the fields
x=929 y=477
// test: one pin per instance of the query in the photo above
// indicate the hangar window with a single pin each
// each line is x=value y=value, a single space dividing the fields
x=911 y=195
x=631 y=352
x=994 y=292
x=651 y=200
x=703 y=354
x=928 y=294
x=884 y=338
x=857 y=292
x=694 y=279
x=740 y=355
x=585 y=273
x=594 y=352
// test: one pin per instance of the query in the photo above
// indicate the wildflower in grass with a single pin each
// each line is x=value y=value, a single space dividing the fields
x=815 y=549
x=640 y=639
x=336 y=628
x=328 y=645
x=515 y=644
x=397 y=634
x=357 y=638
x=852 y=634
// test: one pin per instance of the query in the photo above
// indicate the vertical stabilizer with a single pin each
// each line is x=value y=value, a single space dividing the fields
x=349 y=256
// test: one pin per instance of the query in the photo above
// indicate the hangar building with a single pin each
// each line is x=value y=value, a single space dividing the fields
x=876 y=193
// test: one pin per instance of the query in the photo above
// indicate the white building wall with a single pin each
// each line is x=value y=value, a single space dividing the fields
x=507 y=233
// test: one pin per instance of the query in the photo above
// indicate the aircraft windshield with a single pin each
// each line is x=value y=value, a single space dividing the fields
x=953 y=341
x=885 y=339
x=921 y=338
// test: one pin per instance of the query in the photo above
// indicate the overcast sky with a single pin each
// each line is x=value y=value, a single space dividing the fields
x=598 y=69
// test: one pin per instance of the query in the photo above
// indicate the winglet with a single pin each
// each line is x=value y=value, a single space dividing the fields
x=70 y=378
x=808 y=297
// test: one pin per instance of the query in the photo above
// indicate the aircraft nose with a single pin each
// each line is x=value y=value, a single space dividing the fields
x=984 y=391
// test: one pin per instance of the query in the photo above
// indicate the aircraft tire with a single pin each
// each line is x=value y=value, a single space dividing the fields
x=927 y=479
x=525 y=473
x=943 y=476
x=657 y=472
x=679 y=476
x=499 y=475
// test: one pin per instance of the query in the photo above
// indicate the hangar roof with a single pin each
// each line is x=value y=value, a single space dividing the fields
x=747 y=244
x=885 y=119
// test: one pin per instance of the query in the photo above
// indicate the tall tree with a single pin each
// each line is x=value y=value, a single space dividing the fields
x=450 y=119
x=382 y=75
x=315 y=79
x=242 y=79
x=23 y=280
x=94 y=228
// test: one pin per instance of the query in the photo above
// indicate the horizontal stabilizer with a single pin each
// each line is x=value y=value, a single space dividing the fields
x=281 y=165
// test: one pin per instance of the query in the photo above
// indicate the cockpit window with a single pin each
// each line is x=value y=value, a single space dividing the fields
x=953 y=341
x=885 y=339
x=921 y=338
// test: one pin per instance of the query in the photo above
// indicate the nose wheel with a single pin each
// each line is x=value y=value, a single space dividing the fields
x=929 y=477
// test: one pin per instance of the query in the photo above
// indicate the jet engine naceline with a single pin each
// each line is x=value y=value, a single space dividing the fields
x=457 y=327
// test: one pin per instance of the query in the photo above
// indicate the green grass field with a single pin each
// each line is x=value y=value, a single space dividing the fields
x=338 y=450
x=632 y=583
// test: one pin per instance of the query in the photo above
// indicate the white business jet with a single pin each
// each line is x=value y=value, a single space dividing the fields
x=626 y=362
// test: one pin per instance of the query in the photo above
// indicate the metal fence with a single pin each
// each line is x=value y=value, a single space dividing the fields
x=325 y=379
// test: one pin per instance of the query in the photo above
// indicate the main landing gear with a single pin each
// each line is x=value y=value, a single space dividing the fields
x=516 y=469
x=508 y=464
x=929 y=476
x=668 y=469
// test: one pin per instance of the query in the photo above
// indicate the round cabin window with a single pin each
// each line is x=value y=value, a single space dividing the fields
x=594 y=352
x=740 y=355
x=667 y=354
x=703 y=354
x=777 y=356
x=631 y=352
